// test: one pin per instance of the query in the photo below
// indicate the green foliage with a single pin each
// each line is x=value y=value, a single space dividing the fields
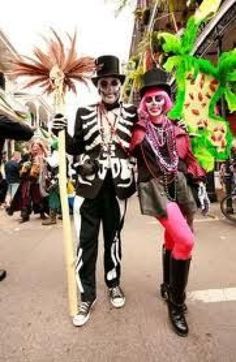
x=226 y=66
x=172 y=63
x=230 y=99
x=189 y=36
x=180 y=62
x=170 y=43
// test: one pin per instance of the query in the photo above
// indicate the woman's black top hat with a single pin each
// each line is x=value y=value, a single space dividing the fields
x=155 y=78
x=107 y=66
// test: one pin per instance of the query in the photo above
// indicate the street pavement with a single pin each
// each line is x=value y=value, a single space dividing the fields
x=35 y=325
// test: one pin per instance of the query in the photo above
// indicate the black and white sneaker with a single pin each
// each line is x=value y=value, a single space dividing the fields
x=117 y=297
x=84 y=313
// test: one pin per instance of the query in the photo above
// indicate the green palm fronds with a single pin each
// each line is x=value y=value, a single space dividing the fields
x=180 y=45
x=170 y=43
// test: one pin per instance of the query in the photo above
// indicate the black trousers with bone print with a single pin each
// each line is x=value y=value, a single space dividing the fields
x=89 y=214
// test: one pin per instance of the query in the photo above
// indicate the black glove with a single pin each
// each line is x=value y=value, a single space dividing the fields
x=88 y=168
x=59 y=123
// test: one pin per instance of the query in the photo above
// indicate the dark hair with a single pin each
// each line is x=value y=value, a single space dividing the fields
x=25 y=157
x=2 y=81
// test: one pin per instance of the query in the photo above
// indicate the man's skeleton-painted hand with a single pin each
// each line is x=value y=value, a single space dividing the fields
x=59 y=123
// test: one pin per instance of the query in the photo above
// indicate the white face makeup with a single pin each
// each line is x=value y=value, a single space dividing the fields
x=155 y=105
x=109 y=89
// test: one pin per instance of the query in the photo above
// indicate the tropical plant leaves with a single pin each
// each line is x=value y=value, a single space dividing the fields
x=231 y=77
x=230 y=98
x=172 y=63
x=170 y=43
x=189 y=36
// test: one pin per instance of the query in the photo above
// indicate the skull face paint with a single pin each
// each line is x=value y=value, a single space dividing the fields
x=109 y=89
x=155 y=103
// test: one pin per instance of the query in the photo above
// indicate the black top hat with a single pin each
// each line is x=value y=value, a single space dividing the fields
x=107 y=66
x=155 y=78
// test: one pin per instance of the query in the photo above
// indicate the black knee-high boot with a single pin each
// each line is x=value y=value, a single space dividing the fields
x=166 y=272
x=179 y=270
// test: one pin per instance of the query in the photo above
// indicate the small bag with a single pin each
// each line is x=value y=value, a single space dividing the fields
x=34 y=171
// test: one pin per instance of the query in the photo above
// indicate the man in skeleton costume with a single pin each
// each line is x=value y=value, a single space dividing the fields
x=101 y=142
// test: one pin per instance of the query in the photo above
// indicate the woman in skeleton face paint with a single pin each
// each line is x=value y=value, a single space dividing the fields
x=164 y=159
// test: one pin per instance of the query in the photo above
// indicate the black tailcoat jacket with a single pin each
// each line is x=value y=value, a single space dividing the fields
x=88 y=146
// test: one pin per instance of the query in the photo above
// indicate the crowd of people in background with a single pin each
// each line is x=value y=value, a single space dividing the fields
x=29 y=183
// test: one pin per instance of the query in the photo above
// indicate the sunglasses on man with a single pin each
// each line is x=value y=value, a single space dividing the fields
x=109 y=83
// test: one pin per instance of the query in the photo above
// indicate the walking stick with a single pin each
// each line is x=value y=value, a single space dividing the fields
x=68 y=240
x=56 y=72
x=57 y=77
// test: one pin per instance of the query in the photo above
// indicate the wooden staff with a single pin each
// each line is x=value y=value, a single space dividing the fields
x=69 y=250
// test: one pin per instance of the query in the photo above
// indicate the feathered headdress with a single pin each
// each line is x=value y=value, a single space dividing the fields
x=57 y=69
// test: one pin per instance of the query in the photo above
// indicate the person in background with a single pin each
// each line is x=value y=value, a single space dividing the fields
x=52 y=188
x=3 y=181
x=31 y=194
x=231 y=170
x=3 y=190
x=12 y=176
x=10 y=129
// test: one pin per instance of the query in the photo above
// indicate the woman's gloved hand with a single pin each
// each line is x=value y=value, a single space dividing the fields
x=203 y=198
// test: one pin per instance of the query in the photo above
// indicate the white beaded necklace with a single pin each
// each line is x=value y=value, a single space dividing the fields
x=107 y=133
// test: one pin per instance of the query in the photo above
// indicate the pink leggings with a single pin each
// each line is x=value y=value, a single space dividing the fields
x=178 y=235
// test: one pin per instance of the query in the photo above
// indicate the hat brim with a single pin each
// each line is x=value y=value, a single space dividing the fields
x=119 y=76
x=164 y=86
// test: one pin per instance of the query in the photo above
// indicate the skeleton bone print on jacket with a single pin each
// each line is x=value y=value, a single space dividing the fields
x=101 y=141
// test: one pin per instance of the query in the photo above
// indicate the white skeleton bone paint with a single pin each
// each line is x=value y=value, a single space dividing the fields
x=109 y=89
x=155 y=105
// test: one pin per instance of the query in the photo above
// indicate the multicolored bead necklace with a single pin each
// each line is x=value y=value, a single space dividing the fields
x=157 y=137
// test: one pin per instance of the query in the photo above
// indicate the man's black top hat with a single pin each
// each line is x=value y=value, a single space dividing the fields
x=107 y=66
x=155 y=78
